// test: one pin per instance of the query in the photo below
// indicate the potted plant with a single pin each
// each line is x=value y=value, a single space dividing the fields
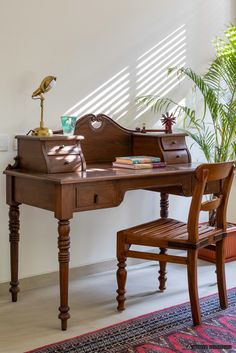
x=213 y=128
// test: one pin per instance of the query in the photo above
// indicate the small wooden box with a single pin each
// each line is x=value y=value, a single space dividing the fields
x=54 y=154
x=230 y=247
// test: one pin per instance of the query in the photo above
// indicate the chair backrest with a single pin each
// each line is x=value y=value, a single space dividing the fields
x=221 y=172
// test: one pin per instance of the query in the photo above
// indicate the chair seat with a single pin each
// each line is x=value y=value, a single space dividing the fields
x=167 y=232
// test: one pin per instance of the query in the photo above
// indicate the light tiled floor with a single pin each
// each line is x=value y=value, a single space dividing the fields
x=32 y=321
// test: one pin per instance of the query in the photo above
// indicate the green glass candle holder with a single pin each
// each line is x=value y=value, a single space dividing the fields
x=68 y=124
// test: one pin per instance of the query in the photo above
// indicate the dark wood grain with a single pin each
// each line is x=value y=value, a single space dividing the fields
x=167 y=233
x=99 y=186
x=64 y=258
x=162 y=272
x=54 y=154
x=110 y=140
x=64 y=194
x=104 y=139
x=14 y=237
x=220 y=273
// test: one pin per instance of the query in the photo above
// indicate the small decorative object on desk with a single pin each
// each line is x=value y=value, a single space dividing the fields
x=167 y=120
x=68 y=124
x=138 y=162
x=47 y=83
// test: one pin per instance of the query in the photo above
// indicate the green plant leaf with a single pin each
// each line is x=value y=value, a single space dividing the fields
x=215 y=129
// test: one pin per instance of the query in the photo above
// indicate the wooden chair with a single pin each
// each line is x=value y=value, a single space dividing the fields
x=167 y=233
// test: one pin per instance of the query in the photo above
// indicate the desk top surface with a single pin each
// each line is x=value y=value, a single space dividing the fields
x=99 y=172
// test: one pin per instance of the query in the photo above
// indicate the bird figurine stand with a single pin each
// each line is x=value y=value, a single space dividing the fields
x=47 y=83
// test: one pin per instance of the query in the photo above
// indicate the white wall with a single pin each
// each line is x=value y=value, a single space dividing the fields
x=92 y=47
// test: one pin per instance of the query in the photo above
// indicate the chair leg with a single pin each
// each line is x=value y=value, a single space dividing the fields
x=220 y=273
x=192 y=285
x=121 y=273
x=162 y=272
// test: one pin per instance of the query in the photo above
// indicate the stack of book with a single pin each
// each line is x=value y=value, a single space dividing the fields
x=138 y=162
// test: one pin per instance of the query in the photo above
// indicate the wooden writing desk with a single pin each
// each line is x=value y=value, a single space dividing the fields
x=100 y=186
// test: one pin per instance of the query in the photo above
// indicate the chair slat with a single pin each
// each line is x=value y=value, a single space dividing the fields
x=169 y=233
x=161 y=222
x=211 y=204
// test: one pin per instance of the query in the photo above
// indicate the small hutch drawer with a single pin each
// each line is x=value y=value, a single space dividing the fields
x=53 y=154
x=60 y=149
x=64 y=163
x=173 y=143
x=180 y=156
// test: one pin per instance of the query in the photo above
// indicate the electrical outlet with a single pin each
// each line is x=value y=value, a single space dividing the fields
x=4 y=142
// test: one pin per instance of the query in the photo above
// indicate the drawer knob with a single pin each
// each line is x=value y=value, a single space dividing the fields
x=60 y=147
x=66 y=162
x=173 y=142
x=178 y=156
x=95 y=198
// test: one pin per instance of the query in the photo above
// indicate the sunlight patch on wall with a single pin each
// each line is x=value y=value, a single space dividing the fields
x=113 y=94
x=147 y=75
x=152 y=66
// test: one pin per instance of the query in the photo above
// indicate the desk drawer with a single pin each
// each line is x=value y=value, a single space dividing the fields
x=173 y=143
x=62 y=147
x=64 y=163
x=99 y=195
x=179 y=156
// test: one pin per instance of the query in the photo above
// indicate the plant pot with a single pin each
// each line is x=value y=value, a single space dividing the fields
x=230 y=247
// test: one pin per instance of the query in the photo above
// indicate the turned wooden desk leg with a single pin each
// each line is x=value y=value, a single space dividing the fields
x=14 y=237
x=64 y=258
x=164 y=205
x=162 y=272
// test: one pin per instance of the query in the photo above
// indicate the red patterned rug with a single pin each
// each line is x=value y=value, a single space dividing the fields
x=169 y=330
